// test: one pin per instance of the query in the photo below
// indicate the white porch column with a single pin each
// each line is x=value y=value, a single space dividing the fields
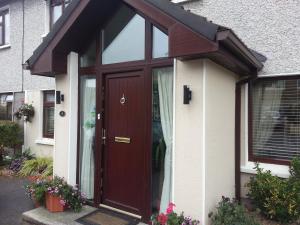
x=73 y=116
x=65 y=153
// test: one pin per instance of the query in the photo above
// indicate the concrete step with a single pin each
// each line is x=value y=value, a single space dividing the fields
x=42 y=216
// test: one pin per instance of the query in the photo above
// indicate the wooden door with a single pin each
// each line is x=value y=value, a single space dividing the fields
x=124 y=152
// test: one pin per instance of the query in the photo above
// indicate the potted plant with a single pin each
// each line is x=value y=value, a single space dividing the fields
x=25 y=110
x=60 y=196
x=171 y=217
x=56 y=195
x=36 y=192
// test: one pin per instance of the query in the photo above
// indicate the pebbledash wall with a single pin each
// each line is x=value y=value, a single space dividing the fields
x=269 y=27
x=23 y=41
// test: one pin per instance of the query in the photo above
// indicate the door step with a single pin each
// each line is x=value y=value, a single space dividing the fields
x=120 y=211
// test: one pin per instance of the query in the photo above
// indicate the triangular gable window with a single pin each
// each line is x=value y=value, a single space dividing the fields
x=160 y=44
x=123 y=38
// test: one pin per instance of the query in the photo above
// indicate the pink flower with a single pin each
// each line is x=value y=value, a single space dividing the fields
x=62 y=202
x=162 y=219
x=170 y=208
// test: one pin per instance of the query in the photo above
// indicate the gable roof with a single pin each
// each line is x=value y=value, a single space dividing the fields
x=203 y=38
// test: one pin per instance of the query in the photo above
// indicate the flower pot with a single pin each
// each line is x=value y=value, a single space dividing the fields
x=53 y=203
x=33 y=178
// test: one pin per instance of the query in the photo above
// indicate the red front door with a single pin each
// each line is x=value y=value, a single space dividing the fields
x=125 y=172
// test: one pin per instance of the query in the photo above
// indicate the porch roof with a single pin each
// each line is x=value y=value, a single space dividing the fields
x=190 y=36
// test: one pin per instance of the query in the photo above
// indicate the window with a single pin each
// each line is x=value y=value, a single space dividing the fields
x=48 y=114
x=275 y=115
x=160 y=44
x=57 y=9
x=125 y=27
x=4 y=27
x=6 y=101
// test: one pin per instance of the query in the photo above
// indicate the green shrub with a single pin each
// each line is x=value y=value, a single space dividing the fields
x=9 y=136
x=277 y=198
x=37 y=167
x=229 y=212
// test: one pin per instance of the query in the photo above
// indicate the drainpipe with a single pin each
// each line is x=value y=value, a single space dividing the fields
x=238 y=92
x=23 y=42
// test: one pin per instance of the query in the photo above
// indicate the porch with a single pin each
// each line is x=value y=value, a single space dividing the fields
x=41 y=216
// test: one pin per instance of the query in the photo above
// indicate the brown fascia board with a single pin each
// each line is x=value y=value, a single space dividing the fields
x=232 y=43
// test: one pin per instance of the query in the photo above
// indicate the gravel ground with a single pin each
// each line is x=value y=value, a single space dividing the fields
x=13 y=201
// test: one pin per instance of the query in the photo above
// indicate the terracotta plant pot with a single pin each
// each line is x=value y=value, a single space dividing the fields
x=33 y=178
x=53 y=203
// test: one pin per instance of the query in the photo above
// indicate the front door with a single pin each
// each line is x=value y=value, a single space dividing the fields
x=125 y=152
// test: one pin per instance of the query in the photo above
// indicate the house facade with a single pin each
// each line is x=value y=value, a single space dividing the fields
x=184 y=104
x=23 y=25
x=136 y=122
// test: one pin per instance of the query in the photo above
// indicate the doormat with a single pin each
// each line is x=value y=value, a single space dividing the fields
x=107 y=217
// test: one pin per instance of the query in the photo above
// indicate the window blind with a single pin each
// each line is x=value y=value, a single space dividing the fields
x=276 y=119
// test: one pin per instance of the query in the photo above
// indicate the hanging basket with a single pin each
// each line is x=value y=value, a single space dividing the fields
x=53 y=203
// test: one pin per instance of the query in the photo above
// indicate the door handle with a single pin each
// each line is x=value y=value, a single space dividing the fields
x=122 y=140
x=103 y=136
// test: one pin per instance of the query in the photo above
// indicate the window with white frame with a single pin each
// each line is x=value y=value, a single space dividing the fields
x=48 y=114
x=57 y=8
x=274 y=120
x=4 y=27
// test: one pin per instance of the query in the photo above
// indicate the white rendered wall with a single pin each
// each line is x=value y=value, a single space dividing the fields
x=33 y=135
x=189 y=158
x=220 y=134
x=65 y=154
x=204 y=138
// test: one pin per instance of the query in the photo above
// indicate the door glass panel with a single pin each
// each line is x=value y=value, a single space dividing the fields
x=162 y=133
x=88 y=58
x=160 y=44
x=124 y=37
x=87 y=134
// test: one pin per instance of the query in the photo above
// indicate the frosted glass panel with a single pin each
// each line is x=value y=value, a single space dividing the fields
x=124 y=37
x=160 y=44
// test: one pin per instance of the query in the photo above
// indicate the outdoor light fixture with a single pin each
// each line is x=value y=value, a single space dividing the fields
x=59 y=97
x=187 y=95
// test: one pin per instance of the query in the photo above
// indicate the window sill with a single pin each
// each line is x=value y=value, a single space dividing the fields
x=45 y=141
x=44 y=35
x=5 y=46
x=277 y=170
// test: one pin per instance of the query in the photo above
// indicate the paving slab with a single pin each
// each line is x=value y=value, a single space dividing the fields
x=42 y=216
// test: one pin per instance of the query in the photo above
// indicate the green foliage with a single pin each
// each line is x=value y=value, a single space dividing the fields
x=295 y=170
x=25 y=110
x=277 y=199
x=37 y=167
x=9 y=134
x=229 y=212
x=36 y=191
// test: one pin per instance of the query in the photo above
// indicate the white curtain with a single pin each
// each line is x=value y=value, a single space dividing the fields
x=266 y=102
x=87 y=138
x=165 y=88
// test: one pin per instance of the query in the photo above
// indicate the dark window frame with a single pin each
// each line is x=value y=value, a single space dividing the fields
x=47 y=104
x=2 y=26
x=251 y=156
x=53 y=3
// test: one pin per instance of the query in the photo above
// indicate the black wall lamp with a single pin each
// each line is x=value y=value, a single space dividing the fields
x=59 y=97
x=187 y=95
